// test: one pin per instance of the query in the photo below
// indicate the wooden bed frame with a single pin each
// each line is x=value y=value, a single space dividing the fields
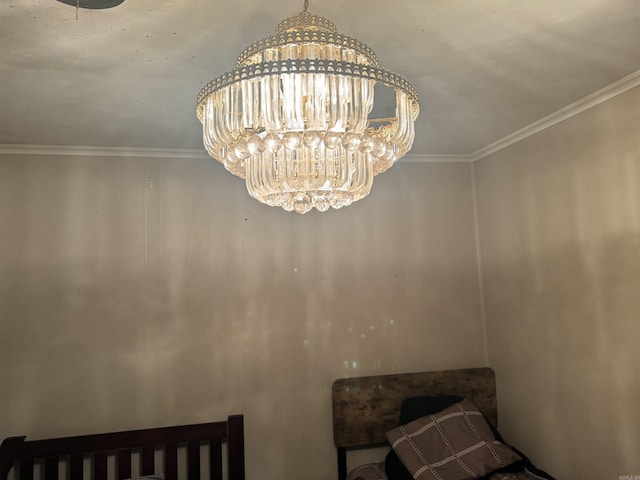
x=365 y=408
x=143 y=444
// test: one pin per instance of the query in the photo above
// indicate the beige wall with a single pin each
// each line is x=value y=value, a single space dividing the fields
x=559 y=217
x=140 y=292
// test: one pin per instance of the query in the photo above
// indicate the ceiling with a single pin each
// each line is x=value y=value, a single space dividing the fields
x=128 y=76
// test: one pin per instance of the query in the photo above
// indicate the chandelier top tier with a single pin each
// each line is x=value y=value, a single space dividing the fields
x=306 y=21
x=305 y=27
x=293 y=117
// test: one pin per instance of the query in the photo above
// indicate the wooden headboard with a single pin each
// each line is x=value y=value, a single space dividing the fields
x=16 y=452
x=365 y=408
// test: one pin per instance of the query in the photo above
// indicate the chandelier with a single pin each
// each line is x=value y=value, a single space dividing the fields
x=292 y=118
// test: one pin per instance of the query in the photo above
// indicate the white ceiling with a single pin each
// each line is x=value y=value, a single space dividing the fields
x=128 y=76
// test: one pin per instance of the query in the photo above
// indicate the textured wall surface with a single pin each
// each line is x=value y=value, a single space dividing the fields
x=559 y=217
x=140 y=292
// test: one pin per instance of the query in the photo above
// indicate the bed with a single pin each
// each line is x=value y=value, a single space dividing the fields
x=440 y=424
x=213 y=449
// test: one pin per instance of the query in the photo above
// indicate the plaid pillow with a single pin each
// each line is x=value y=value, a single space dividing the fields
x=455 y=443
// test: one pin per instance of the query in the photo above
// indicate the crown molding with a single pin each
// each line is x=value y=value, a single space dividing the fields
x=590 y=101
x=434 y=158
x=67 y=150
x=596 y=98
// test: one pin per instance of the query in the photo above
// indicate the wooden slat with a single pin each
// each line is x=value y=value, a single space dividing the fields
x=215 y=460
x=51 y=468
x=9 y=449
x=26 y=469
x=148 y=464
x=75 y=466
x=193 y=460
x=171 y=461
x=124 y=464
x=100 y=466
x=235 y=444
x=342 y=463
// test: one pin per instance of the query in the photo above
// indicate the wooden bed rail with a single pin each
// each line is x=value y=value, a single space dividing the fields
x=17 y=451
x=9 y=449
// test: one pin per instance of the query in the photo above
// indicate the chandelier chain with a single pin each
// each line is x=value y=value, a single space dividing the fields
x=306 y=5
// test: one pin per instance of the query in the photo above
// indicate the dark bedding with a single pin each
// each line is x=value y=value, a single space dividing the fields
x=447 y=438
x=375 y=471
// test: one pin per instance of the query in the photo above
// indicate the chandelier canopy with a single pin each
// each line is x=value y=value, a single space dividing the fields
x=292 y=118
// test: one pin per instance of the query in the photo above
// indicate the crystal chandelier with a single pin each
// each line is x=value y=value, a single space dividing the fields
x=292 y=118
